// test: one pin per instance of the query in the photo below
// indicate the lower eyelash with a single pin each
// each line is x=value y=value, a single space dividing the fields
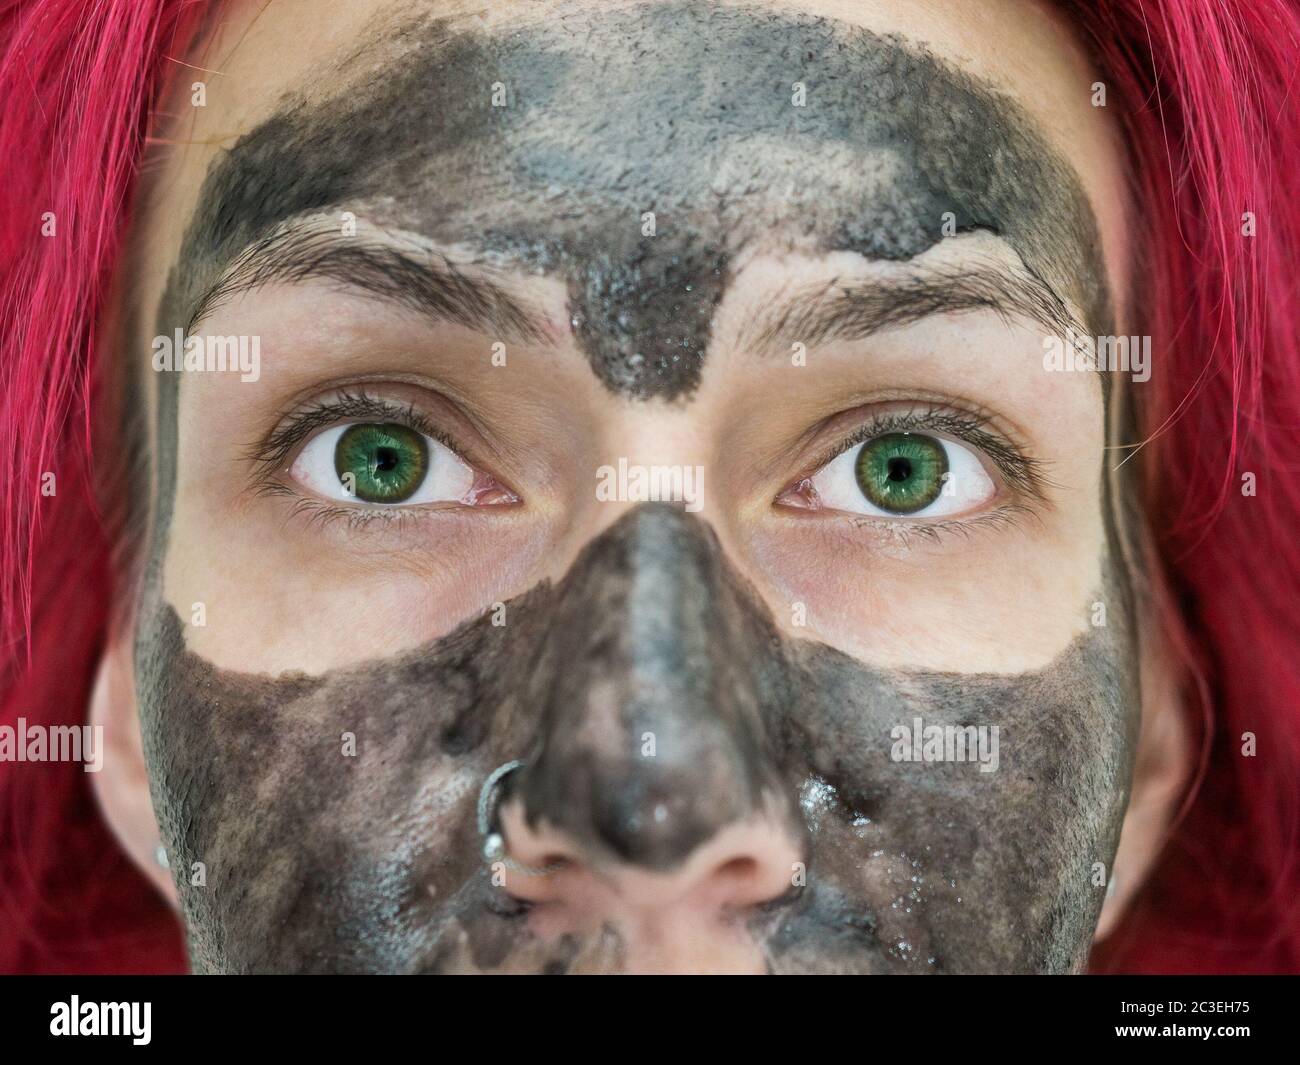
x=318 y=513
x=907 y=533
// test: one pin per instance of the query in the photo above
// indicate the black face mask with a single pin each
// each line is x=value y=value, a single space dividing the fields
x=316 y=859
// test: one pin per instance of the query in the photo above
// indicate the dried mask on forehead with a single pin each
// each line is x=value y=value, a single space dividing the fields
x=555 y=142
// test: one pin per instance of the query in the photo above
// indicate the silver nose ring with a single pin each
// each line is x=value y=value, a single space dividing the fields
x=494 y=843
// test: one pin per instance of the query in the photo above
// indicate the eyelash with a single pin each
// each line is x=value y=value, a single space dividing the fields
x=270 y=455
x=1022 y=473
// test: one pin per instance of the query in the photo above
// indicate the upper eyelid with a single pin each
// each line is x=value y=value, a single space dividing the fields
x=275 y=447
x=270 y=454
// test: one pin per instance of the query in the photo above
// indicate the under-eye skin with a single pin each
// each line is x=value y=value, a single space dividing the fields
x=362 y=456
x=926 y=469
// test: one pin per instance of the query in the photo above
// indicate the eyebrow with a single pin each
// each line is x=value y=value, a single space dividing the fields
x=858 y=308
x=438 y=288
x=427 y=282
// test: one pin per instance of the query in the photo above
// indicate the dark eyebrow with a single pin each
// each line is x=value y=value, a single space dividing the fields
x=428 y=283
x=856 y=309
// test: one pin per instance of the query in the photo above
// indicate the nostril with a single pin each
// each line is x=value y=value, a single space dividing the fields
x=536 y=863
x=574 y=882
x=752 y=864
x=738 y=869
x=504 y=904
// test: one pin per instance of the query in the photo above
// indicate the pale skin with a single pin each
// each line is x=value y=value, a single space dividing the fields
x=994 y=598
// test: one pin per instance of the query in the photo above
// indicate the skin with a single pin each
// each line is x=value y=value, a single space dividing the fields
x=768 y=648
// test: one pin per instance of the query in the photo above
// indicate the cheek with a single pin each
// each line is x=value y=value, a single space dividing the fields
x=988 y=861
x=333 y=816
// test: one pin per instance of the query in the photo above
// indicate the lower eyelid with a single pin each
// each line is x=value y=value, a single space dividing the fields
x=908 y=534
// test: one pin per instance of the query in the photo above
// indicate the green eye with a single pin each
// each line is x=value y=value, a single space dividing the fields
x=381 y=463
x=901 y=472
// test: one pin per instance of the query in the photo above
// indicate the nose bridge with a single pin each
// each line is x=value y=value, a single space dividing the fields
x=654 y=728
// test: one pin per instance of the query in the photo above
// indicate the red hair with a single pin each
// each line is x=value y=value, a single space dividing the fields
x=1214 y=142
x=1203 y=90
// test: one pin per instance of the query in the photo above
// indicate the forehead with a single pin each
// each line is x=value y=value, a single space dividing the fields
x=558 y=139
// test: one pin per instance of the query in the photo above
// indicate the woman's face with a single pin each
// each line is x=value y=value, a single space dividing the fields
x=862 y=698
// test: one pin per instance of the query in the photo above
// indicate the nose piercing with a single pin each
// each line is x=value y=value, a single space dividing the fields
x=494 y=843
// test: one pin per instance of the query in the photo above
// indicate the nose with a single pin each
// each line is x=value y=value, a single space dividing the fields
x=690 y=918
x=653 y=796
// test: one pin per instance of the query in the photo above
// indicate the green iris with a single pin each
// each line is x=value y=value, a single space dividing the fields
x=901 y=472
x=381 y=463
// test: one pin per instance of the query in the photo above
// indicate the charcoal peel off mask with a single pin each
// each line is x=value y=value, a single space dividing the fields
x=315 y=860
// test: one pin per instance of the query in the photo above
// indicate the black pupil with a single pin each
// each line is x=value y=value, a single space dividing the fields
x=900 y=469
x=386 y=459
